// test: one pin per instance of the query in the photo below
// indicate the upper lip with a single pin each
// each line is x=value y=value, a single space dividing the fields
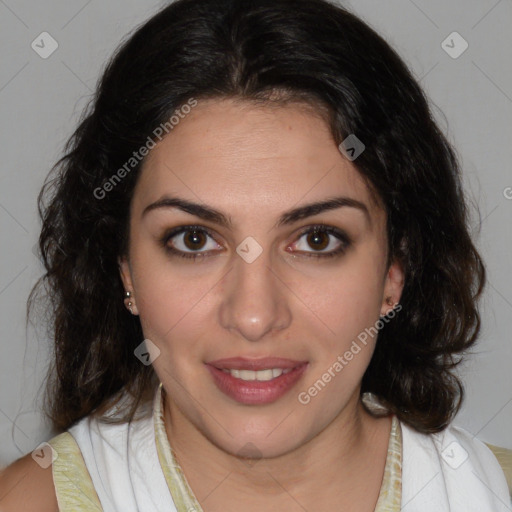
x=242 y=363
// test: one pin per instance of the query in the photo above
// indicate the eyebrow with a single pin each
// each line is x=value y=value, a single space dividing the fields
x=287 y=218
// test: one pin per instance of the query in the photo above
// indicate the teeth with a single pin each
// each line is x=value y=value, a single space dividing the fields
x=260 y=375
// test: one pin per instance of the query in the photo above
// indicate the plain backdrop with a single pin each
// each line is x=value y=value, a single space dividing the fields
x=41 y=100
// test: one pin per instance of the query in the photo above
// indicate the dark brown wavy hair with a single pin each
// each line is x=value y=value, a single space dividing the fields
x=308 y=51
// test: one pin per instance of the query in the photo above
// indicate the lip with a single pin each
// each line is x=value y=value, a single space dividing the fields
x=256 y=392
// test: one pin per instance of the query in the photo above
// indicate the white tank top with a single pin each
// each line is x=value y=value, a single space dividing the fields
x=131 y=467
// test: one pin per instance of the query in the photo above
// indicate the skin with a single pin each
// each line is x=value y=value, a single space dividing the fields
x=26 y=486
x=253 y=163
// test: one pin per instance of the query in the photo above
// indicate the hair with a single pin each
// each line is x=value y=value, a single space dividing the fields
x=269 y=52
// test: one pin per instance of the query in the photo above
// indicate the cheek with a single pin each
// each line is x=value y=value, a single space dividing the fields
x=345 y=300
x=173 y=306
x=343 y=351
x=346 y=307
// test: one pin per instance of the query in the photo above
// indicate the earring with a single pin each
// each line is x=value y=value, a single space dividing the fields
x=127 y=302
x=389 y=302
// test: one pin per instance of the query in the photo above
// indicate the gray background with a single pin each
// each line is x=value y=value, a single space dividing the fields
x=41 y=99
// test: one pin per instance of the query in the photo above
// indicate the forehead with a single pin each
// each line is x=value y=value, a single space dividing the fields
x=238 y=155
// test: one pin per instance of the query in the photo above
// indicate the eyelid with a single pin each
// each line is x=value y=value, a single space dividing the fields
x=326 y=228
x=188 y=227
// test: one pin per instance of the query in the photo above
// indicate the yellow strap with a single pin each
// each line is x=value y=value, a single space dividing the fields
x=390 y=496
x=73 y=485
x=504 y=457
x=181 y=493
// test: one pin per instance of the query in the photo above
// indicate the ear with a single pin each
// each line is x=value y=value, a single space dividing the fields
x=125 y=272
x=126 y=277
x=393 y=287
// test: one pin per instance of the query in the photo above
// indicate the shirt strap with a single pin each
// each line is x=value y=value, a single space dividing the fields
x=182 y=495
x=73 y=485
x=390 y=496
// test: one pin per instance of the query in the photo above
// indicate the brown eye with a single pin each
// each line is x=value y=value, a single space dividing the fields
x=322 y=242
x=318 y=240
x=194 y=239
x=190 y=242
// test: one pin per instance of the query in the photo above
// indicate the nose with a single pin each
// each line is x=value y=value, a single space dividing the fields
x=255 y=299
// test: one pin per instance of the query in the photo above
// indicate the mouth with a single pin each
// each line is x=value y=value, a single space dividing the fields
x=256 y=381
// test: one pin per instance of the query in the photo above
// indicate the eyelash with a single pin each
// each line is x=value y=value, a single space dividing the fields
x=340 y=235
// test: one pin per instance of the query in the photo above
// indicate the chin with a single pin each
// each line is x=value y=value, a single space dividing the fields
x=258 y=436
x=254 y=448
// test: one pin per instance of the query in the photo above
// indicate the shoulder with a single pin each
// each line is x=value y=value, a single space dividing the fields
x=460 y=457
x=26 y=485
x=52 y=478
x=487 y=457
x=455 y=445
x=492 y=461
x=504 y=457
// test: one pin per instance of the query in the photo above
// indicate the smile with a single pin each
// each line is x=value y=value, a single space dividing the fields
x=256 y=381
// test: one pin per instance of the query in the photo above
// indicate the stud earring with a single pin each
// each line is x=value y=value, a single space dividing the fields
x=128 y=303
x=389 y=302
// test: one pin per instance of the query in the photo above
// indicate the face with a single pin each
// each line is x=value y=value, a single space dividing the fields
x=251 y=294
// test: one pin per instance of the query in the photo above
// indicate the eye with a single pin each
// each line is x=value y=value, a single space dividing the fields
x=326 y=241
x=189 y=242
x=196 y=241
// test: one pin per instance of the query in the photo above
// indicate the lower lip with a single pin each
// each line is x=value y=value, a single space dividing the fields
x=253 y=391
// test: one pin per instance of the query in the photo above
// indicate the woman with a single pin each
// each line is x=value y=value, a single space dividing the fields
x=257 y=254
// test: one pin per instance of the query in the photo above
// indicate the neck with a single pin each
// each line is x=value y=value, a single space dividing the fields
x=350 y=451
